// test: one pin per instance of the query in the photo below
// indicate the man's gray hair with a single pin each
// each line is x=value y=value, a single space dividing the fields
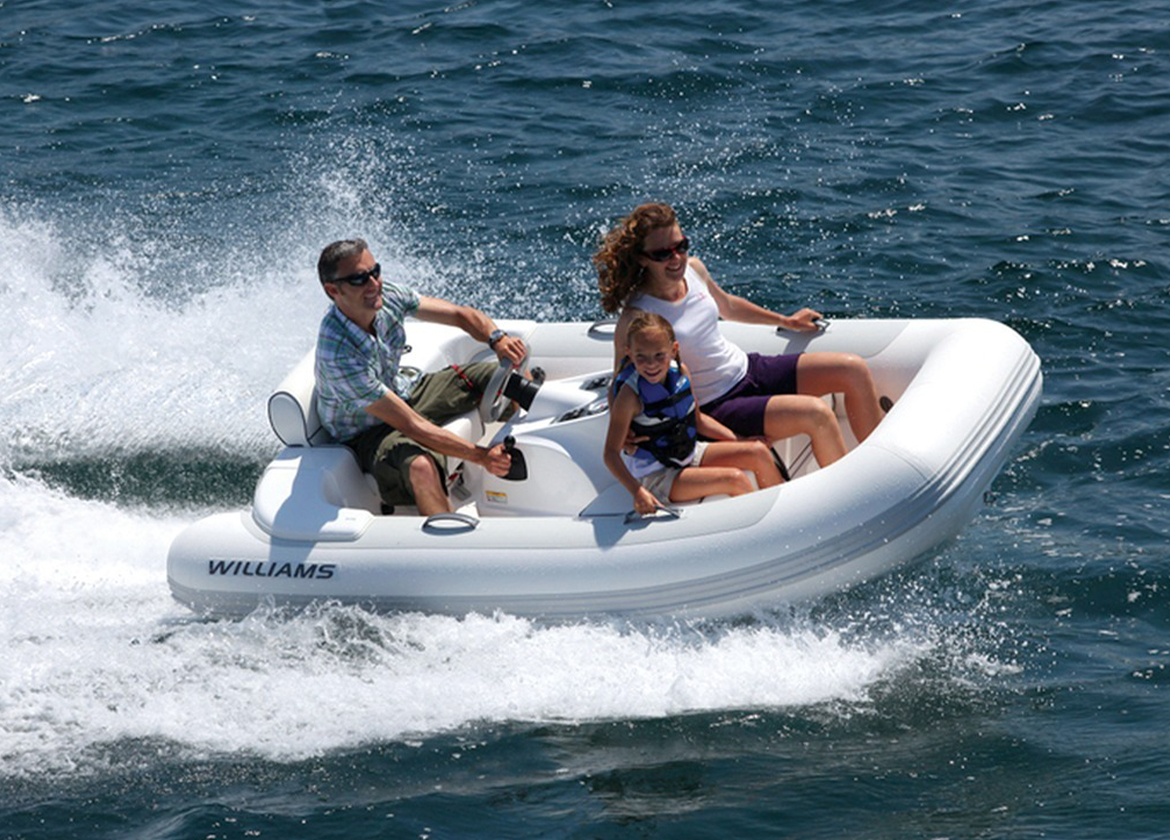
x=335 y=254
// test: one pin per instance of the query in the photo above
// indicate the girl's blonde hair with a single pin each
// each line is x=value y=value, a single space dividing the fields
x=619 y=274
x=648 y=323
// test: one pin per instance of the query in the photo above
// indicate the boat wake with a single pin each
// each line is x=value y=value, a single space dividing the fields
x=99 y=658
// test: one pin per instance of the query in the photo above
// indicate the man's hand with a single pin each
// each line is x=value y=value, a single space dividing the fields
x=512 y=348
x=496 y=460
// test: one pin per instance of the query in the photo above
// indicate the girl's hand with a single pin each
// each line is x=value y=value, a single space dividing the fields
x=644 y=502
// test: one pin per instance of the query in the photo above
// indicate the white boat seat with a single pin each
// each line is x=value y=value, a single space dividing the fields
x=292 y=408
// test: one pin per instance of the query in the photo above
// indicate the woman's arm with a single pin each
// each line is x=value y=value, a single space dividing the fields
x=620 y=348
x=735 y=308
x=711 y=428
x=705 y=425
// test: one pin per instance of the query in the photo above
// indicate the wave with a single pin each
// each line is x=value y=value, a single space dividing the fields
x=193 y=478
x=126 y=333
x=267 y=686
x=100 y=659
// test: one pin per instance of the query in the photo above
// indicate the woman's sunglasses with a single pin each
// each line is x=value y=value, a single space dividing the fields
x=664 y=254
x=362 y=277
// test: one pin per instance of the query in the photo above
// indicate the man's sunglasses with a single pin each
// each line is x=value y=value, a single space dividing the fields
x=362 y=277
x=664 y=254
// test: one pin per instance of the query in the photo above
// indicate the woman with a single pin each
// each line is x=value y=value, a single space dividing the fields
x=643 y=265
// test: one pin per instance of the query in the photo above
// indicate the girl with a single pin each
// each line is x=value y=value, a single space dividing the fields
x=653 y=398
x=644 y=265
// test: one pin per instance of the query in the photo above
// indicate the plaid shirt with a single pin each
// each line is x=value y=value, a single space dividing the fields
x=355 y=369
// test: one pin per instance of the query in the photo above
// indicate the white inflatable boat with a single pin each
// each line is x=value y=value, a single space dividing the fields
x=558 y=542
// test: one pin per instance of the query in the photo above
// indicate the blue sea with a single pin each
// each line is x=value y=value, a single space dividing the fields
x=169 y=172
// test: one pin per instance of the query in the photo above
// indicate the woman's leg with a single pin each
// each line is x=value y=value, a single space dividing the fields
x=795 y=414
x=818 y=374
x=745 y=455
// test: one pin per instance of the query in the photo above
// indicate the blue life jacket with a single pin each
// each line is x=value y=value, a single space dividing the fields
x=668 y=414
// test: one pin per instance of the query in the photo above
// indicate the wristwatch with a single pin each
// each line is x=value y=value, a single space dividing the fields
x=495 y=337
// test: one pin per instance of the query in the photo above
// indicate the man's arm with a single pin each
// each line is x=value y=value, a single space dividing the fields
x=473 y=322
x=393 y=410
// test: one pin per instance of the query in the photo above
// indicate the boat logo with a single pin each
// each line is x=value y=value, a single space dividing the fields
x=272 y=569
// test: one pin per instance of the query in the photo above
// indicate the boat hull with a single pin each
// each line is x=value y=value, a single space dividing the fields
x=965 y=390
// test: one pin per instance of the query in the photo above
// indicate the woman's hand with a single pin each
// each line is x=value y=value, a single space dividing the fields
x=804 y=320
x=630 y=446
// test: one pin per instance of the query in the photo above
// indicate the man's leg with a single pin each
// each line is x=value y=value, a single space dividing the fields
x=445 y=394
x=406 y=472
x=429 y=488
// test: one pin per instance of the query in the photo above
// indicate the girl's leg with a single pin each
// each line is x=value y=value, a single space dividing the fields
x=699 y=482
x=818 y=374
x=745 y=455
x=794 y=414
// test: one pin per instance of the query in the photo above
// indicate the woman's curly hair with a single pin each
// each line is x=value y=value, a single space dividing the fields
x=618 y=273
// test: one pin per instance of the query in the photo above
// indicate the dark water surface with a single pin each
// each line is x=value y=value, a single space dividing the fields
x=168 y=173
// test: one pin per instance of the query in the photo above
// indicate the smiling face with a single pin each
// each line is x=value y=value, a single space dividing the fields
x=667 y=242
x=358 y=303
x=652 y=351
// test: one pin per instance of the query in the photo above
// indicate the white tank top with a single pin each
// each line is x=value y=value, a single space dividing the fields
x=714 y=362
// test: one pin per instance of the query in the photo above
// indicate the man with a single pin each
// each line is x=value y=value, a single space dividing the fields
x=368 y=403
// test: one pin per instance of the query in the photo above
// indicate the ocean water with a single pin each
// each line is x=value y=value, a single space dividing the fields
x=168 y=173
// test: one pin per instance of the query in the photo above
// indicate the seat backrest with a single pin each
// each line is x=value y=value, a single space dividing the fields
x=292 y=408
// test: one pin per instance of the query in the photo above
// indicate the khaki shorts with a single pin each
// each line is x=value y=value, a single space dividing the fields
x=659 y=483
x=440 y=397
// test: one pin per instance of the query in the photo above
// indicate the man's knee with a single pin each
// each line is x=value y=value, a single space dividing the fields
x=423 y=475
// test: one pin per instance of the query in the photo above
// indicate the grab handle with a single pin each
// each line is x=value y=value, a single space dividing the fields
x=598 y=328
x=822 y=325
x=450 y=522
x=669 y=513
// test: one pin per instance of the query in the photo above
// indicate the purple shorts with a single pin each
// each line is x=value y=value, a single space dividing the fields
x=742 y=408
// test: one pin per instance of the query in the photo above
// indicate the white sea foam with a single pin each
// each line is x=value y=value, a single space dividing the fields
x=97 y=654
x=100 y=355
x=119 y=334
